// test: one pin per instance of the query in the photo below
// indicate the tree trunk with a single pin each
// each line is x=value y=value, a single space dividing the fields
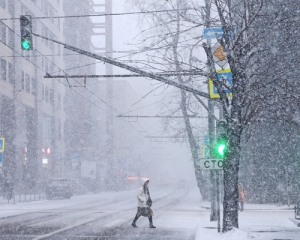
x=231 y=170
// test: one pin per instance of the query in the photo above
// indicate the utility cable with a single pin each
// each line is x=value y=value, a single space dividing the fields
x=105 y=14
x=46 y=72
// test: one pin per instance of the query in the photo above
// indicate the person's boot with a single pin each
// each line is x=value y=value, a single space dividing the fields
x=134 y=221
x=151 y=223
x=134 y=225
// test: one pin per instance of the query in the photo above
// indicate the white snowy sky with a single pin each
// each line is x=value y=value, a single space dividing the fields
x=175 y=157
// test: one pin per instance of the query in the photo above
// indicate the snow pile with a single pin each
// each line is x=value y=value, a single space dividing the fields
x=237 y=234
x=234 y=234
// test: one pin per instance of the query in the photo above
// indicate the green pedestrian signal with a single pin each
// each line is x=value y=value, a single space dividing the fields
x=26 y=32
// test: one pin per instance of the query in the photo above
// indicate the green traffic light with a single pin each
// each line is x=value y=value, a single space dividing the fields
x=221 y=149
x=26 y=44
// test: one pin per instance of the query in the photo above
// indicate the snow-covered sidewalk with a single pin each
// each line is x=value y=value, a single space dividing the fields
x=257 y=221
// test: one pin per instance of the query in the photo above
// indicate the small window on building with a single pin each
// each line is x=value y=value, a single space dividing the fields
x=51 y=44
x=46 y=65
x=43 y=92
x=11 y=38
x=58 y=100
x=46 y=94
x=3 y=69
x=3 y=3
x=51 y=95
x=59 y=129
x=58 y=24
x=45 y=10
x=46 y=35
x=51 y=13
x=11 y=77
x=33 y=86
x=51 y=66
x=11 y=8
x=23 y=80
x=27 y=83
x=2 y=32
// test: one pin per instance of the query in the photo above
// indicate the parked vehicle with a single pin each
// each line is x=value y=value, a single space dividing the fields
x=58 y=188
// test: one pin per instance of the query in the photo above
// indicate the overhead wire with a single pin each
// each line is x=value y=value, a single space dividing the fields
x=103 y=14
x=58 y=68
x=68 y=85
x=57 y=79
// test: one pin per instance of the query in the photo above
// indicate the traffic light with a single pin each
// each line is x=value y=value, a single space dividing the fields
x=26 y=32
x=221 y=145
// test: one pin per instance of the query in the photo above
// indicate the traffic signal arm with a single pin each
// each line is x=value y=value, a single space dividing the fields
x=130 y=68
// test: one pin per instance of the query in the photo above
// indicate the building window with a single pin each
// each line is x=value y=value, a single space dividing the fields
x=46 y=65
x=3 y=69
x=11 y=77
x=11 y=38
x=11 y=8
x=58 y=23
x=51 y=95
x=46 y=94
x=46 y=35
x=58 y=100
x=2 y=32
x=23 y=80
x=51 y=13
x=27 y=82
x=33 y=86
x=43 y=92
x=59 y=129
x=51 y=44
x=3 y=3
x=51 y=66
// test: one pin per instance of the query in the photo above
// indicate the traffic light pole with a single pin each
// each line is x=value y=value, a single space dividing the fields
x=211 y=133
x=219 y=183
x=218 y=199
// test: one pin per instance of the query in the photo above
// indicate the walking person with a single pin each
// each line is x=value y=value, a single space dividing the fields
x=144 y=205
x=242 y=196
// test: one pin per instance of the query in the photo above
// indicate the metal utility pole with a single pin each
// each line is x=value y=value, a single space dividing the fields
x=110 y=161
x=211 y=126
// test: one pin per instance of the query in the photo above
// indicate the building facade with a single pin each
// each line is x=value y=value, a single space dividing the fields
x=32 y=107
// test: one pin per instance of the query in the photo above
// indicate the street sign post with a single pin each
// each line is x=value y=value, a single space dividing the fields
x=211 y=164
x=205 y=152
x=225 y=76
x=206 y=140
x=1 y=161
x=219 y=55
x=2 y=144
x=211 y=33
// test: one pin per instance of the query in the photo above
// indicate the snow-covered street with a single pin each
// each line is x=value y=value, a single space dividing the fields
x=100 y=216
x=179 y=214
